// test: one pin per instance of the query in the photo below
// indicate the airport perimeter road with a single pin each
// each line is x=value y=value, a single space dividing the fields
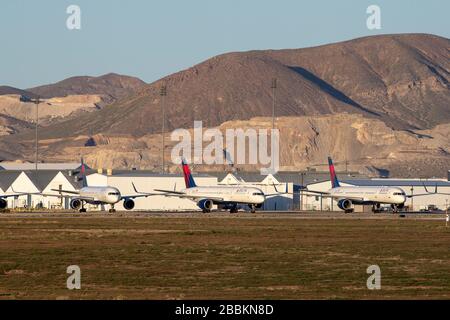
x=222 y=256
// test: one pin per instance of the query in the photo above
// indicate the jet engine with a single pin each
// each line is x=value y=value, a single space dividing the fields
x=345 y=204
x=3 y=204
x=75 y=204
x=205 y=204
x=128 y=204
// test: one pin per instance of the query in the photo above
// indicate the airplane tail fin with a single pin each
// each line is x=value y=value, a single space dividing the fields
x=188 y=179
x=83 y=173
x=333 y=177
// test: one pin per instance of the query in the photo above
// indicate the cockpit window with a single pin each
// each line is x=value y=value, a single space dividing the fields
x=113 y=193
x=399 y=194
x=258 y=193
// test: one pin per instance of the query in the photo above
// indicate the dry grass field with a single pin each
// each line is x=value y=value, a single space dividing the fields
x=150 y=256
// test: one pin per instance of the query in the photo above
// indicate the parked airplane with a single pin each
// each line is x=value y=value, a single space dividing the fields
x=97 y=195
x=3 y=197
x=225 y=197
x=361 y=195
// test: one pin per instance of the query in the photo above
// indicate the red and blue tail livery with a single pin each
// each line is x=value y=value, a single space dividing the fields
x=188 y=179
x=83 y=173
x=333 y=177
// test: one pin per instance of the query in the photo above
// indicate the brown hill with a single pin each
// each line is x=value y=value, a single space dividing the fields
x=5 y=90
x=112 y=86
x=11 y=125
x=50 y=110
x=401 y=79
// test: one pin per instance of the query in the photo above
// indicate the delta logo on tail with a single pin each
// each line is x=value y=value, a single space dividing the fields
x=188 y=179
x=333 y=177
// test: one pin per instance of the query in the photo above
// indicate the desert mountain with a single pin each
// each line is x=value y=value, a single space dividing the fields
x=11 y=125
x=7 y=90
x=111 y=86
x=49 y=109
x=397 y=84
x=402 y=80
x=66 y=99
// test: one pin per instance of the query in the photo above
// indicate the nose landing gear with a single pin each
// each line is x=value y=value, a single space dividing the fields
x=397 y=207
x=112 y=210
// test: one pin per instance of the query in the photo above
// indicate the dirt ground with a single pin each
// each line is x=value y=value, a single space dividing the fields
x=218 y=256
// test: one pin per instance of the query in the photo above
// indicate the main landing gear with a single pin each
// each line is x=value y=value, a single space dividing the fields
x=82 y=209
x=376 y=208
x=234 y=209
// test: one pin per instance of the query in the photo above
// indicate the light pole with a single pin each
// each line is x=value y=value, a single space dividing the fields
x=274 y=87
x=36 y=101
x=163 y=93
x=302 y=174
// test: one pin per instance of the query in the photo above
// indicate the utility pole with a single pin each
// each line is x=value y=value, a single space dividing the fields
x=412 y=198
x=37 y=101
x=274 y=88
x=163 y=94
x=302 y=174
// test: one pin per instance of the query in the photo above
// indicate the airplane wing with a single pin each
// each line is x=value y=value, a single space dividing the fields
x=328 y=195
x=66 y=191
x=139 y=194
x=72 y=194
x=426 y=194
x=306 y=191
x=133 y=196
x=170 y=193
x=16 y=194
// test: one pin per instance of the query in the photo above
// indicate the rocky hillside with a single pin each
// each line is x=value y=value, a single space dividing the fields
x=66 y=99
x=403 y=80
x=11 y=125
x=366 y=144
x=50 y=110
x=381 y=103
x=7 y=90
x=111 y=87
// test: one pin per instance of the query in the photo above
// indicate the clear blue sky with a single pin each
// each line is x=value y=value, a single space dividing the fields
x=150 y=39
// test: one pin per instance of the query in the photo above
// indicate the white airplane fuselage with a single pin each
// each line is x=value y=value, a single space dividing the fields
x=362 y=195
x=245 y=195
x=107 y=195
